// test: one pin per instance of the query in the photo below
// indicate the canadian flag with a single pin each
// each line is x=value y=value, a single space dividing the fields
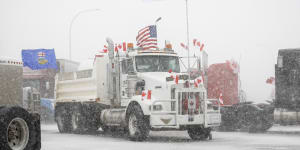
x=148 y=94
x=121 y=46
x=116 y=48
x=198 y=44
x=195 y=84
x=194 y=42
x=184 y=46
x=176 y=79
x=104 y=50
x=201 y=47
x=124 y=46
x=143 y=95
x=200 y=79
x=221 y=99
x=271 y=80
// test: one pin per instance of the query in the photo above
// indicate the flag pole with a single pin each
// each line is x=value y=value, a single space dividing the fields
x=188 y=38
x=157 y=20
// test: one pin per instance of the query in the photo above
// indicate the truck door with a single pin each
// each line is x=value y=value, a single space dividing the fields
x=126 y=67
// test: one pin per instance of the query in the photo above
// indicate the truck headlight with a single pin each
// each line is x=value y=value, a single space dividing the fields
x=157 y=107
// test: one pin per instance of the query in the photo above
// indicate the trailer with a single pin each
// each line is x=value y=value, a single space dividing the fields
x=19 y=127
x=222 y=79
x=247 y=116
x=137 y=91
x=287 y=86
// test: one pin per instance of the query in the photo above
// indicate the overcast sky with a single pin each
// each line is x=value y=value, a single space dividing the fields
x=249 y=31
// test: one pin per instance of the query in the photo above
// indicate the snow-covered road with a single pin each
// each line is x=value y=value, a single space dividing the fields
x=278 y=138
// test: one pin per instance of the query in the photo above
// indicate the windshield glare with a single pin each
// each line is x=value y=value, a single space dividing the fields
x=157 y=63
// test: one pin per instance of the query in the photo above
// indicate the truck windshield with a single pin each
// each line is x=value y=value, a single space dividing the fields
x=157 y=63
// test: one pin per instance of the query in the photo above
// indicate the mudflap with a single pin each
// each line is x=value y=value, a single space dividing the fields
x=37 y=124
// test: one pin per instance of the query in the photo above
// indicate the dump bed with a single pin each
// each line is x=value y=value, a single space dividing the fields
x=11 y=82
x=84 y=85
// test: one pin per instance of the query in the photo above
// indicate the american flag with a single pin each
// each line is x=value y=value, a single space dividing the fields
x=147 y=38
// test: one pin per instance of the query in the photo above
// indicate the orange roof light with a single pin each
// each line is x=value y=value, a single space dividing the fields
x=169 y=46
x=130 y=45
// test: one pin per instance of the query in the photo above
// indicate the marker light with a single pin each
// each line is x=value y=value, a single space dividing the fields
x=169 y=46
x=130 y=45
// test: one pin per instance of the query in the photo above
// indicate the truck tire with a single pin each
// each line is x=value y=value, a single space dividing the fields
x=137 y=125
x=18 y=130
x=78 y=120
x=109 y=129
x=261 y=124
x=63 y=120
x=91 y=128
x=105 y=128
x=198 y=133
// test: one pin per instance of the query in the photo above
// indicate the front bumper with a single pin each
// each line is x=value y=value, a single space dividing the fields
x=172 y=119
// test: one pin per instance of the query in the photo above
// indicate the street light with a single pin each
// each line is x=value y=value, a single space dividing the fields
x=157 y=20
x=71 y=25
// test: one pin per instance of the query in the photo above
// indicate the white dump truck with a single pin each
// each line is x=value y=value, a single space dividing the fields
x=138 y=91
x=19 y=127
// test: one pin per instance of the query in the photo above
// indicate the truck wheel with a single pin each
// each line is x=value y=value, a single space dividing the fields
x=260 y=125
x=63 y=121
x=198 y=133
x=77 y=122
x=92 y=129
x=138 y=126
x=109 y=129
x=105 y=128
x=17 y=129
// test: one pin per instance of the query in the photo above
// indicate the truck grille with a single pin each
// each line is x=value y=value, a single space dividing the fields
x=189 y=102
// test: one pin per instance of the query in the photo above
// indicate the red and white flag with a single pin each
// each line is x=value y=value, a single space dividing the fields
x=201 y=47
x=221 y=99
x=148 y=94
x=176 y=79
x=195 y=84
x=271 y=80
x=195 y=42
x=184 y=46
x=116 y=48
x=119 y=46
x=200 y=79
x=143 y=95
x=198 y=44
x=104 y=50
x=124 y=46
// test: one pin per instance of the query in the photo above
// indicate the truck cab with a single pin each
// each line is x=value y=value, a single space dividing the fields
x=164 y=92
